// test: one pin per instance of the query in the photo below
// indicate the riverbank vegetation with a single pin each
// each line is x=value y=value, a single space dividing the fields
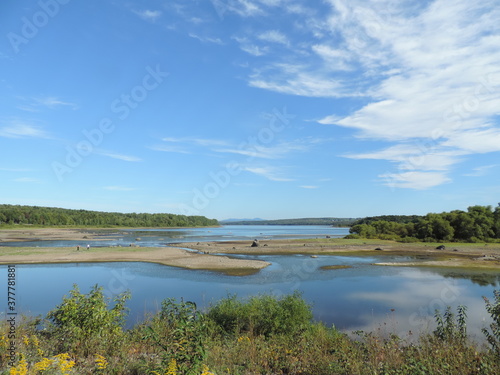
x=264 y=334
x=50 y=216
x=477 y=224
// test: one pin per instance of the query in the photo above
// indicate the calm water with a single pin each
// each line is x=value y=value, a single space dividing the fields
x=162 y=237
x=366 y=297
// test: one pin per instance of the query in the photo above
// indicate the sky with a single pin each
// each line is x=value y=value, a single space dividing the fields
x=250 y=108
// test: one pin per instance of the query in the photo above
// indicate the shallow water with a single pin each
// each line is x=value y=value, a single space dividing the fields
x=363 y=297
x=163 y=237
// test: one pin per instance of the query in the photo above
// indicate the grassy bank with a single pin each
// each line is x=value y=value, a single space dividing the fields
x=259 y=335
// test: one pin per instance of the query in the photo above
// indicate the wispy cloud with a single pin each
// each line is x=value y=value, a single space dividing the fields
x=149 y=15
x=251 y=48
x=309 y=187
x=205 y=39
x=35 y=104
x=274 y=36
x=18 y=129
x=481 y=171
x=120 y=156
x=277 y=151
x=29 y=180
x=53 y=102
x=427 y=74
x=414 y=180
x=170 y=148
x=271 y=173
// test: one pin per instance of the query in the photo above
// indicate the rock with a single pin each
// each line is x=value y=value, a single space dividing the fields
x=441 y=247
x=379 y=248
x=314 y=256
x=255 y=243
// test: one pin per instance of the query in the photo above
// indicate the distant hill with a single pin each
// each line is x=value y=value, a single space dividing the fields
x=238 y=220
x=334 y=221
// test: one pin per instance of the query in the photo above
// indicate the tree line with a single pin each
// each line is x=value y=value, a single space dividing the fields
x=50 y=216
x=477 y=224
x=333 y=221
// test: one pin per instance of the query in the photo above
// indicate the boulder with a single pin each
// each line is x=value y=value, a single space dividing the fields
x=255 y=243
x=441 y=247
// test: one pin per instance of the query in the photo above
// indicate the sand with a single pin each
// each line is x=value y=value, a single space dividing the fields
x=210 y=255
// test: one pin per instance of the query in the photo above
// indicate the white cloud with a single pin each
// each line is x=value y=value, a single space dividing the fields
x=149 y=15
x=309 y=187
x=27 y=180
x=170 y=148
x=120 y=156
x=277 y=151
x=414 y=180
x=22 y=130
x=274 y=36
x=297 y=80
x=481 y=171
x=205 y=39
x=53 y=102
x=271 y=173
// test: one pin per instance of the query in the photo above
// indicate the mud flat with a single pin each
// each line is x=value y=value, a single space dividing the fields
x=165 y=255
x=425 y=254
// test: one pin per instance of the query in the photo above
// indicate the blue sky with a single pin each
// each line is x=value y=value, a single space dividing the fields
x=250 y=108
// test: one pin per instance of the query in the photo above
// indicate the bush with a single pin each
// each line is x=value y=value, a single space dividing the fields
x=262 y=315
x=83 y=323
x=180 y=331
x=493 y=309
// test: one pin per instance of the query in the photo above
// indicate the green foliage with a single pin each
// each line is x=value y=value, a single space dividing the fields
x=179 y=339
x=261 y=315
x=478 y=224
x=493 y=309
x=48 y=216
x=449 y=330
x=180 y=331
x=84 y=323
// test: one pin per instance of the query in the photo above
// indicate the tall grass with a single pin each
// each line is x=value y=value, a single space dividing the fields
x=259 y=335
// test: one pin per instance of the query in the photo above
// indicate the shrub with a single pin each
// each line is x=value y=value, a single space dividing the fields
x=262 y=315
x=493 y=309
x=83 y=322
x=180 y=331
x=447 y=329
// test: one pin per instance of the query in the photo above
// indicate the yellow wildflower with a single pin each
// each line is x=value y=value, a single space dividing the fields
x=26 y=340
x=206 y=371
x=43 y=365
x=20 y=369
x=65 y=365
x=172 y=367
x=101 y=362
x=35 y=341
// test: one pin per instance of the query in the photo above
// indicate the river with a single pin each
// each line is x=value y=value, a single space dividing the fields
x=363 y=297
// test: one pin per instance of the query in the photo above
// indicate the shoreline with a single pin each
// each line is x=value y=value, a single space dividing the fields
x=215 y=256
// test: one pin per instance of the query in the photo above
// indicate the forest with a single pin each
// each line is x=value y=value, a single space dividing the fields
x=50 y=216
x=477 y=224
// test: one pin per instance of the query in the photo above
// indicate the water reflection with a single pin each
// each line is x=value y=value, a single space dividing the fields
x=364 y=297
x=161 y=237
